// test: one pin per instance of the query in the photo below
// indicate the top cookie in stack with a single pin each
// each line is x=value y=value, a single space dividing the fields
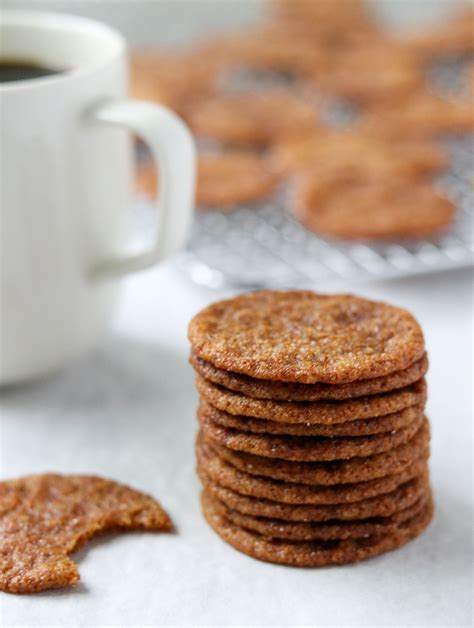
x=312 y=410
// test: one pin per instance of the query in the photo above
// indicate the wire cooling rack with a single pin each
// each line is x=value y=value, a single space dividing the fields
x=262 y=245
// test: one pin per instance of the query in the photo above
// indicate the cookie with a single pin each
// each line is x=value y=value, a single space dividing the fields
x=331 y=26
x=355 y=207
x=384 y=505
x=224 y=180
x=421 y=115
x=378 y=425
x=228 y=476
x=253 y=119
x=171 y=79
x=285 y=391
x=355 y=469
x=321 y=15
x=315 y=553
x=274 y=47
x=301 y=336
x=377 y=72
x=312 y=412
x=44 y=518
x=232 y=178
x=308 y=448
x=300 y=531
x=373 y=156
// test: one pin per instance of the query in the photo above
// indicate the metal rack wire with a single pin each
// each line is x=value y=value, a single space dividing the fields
x=263 y=245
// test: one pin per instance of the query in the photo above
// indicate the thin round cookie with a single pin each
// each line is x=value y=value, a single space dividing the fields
x=354 y=206
x=338 y=151
x=272 y=48
x=334 y=472
x=228 y=476
x=376 y=72
x=171 y=79
x=287 y=391
x=422 y=115
x=232 y=178
x=224 y=180
x=316 y=553
x=311 y=448
x=377 y=425
x=318 y=17
x=384 y=505
x=321 y=412
x=301 y=336
x=300 y=531
x=252 y=119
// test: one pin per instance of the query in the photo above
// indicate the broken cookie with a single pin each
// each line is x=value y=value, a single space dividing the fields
x=44 y=518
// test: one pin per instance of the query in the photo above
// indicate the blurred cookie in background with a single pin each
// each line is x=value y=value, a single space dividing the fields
x=254 y=119
x=376 y=72
x=224 y=180
x=355 y=206
x=320 y=17
x=421 y=114
x=339 y=150
x=260 y=99
x=272 y=47
x=169 y=78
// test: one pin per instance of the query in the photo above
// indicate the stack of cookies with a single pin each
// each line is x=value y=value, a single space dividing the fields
x=313 y=443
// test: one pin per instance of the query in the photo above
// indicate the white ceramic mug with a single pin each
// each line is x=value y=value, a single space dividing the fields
x=66 y=173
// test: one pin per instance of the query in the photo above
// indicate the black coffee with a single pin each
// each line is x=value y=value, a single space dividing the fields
x=13 y=70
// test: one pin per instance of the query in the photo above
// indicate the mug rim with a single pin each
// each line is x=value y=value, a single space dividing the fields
x=80 y=24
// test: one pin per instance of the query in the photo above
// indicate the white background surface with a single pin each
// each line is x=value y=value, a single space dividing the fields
x=127 y=412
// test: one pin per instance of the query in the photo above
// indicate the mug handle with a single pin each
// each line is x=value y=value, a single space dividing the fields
x=172 y=147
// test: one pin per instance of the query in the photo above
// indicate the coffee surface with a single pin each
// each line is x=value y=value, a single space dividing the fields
x=19 y=70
